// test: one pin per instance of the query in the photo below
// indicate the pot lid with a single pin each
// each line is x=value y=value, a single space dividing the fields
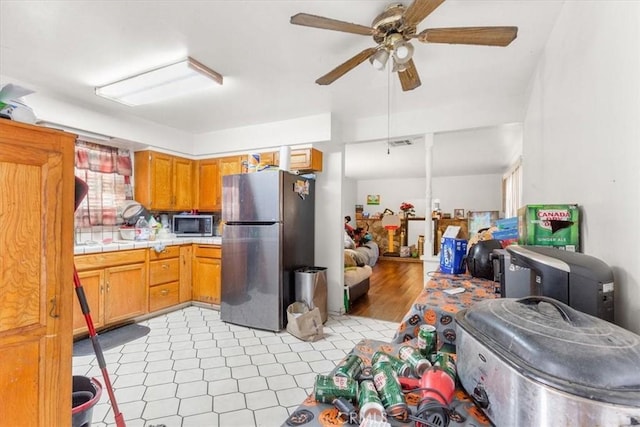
x=558 y=345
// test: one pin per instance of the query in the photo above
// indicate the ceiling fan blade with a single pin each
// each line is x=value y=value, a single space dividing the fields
x=346 y=66
x=409 y=78
x=418 y=11
x=330 y=24
x=486 y=36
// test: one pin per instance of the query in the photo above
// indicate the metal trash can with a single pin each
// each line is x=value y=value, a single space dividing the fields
x=86 y=393
x=311 y=288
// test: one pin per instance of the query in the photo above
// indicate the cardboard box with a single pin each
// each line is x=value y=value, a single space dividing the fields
x=550 y=225
x=452 y=255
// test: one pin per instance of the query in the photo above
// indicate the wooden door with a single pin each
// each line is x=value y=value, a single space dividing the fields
x=183 y=183
x=161 y=182
x=125 y=293
x=206 y=279
x=36 y=271
x=209 y=185
x=93 y=285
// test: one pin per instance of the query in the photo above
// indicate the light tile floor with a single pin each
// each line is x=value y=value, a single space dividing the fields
x=194 y=370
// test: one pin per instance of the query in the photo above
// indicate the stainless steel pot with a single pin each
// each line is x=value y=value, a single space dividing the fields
x=133 y=210
x=537 y=362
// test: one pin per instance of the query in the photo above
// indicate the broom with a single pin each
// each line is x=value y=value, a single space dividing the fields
x=81 y=192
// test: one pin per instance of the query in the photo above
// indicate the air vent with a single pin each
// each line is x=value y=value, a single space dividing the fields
x=400 y=142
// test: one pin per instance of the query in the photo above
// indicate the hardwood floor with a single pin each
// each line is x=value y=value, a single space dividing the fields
x=393 y=288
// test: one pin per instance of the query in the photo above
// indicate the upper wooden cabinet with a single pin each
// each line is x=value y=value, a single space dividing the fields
x=209 y=180
x=303 y=160
x=306 y=160
x=208 y=183
x=36 y=275
x=163 y=181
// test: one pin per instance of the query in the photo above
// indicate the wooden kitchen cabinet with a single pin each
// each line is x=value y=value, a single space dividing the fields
x=120 y=279
x=36 y=274
x=303 y=160
x=209 y=180
x=306 y=160
x=186 y=266
x=163 y=182
x=164 y=278
x=93 y=286
x=207 y=277
x=209 y=189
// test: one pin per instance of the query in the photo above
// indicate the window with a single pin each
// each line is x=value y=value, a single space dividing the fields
x=107 y=172
x=512 y=190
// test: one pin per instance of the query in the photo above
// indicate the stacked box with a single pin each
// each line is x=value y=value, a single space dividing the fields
x=550 y=225
x=359 y=210
x=507 y=223
x=452 y=254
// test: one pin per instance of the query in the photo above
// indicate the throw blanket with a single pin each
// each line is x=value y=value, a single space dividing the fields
x=366 y=254
x=435 y=306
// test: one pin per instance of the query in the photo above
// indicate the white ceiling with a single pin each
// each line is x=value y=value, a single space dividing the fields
x=66 y=48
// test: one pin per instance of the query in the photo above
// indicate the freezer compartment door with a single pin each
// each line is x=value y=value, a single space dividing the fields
x=252 y=197
x=252 y=288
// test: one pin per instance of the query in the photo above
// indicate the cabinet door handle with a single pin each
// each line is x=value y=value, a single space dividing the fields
x=108 y=287
x=54 y=306
x=164 y=292
x=165 y=266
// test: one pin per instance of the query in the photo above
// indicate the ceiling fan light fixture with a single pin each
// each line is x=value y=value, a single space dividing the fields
x=402 y=52
x=379 y=59
x=398 y=68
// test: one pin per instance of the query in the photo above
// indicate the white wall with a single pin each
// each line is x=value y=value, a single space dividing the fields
x=392 y=193
x=349 y=199
x=471 y=192
x=582 y=136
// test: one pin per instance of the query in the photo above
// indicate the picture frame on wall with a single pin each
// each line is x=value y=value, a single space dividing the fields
x=373 y=199
x=458 y=213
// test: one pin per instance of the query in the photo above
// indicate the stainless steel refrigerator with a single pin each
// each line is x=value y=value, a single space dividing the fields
x=268 y=234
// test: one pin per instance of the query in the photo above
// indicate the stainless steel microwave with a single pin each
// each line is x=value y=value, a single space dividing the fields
x=193 y=225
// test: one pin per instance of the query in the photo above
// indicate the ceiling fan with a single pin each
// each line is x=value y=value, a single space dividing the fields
x=393 y=30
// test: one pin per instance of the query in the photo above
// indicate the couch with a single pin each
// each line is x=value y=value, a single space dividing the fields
x=358 y=263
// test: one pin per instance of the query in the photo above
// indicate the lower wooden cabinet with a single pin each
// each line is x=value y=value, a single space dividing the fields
x=164 y=278
x=125 y=293
x=206 y=271
x=115 y=285
x=93 y=287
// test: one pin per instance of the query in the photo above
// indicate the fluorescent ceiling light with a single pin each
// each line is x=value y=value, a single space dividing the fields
x=162 y=83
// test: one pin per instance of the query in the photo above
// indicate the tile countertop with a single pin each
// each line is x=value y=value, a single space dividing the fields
x=122 y=245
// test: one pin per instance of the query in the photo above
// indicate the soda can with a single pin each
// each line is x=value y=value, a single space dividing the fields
x=428 y=341
x=369 y=402
x=350 y=367
x=445 y=362
x=415 y=359
x=328 y=388
x=401 y=368
x=389 y=390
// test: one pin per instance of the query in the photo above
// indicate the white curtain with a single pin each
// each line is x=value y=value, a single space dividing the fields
x=512 y=185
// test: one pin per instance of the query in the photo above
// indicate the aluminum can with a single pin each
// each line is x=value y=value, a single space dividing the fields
x=415 y=359
x=401 y=368
x=350 y=367
x=328 y=388
x=369 y=402
x=428 y=341
x=445 y=362
x=389 y=390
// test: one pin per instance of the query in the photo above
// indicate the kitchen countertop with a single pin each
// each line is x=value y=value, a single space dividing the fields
x=122 y=245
